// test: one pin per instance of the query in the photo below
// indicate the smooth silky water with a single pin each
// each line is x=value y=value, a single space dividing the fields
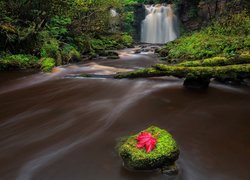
x=160 y=24
x=59 y=128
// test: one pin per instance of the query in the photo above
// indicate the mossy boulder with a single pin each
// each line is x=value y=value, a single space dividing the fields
x=164 y=154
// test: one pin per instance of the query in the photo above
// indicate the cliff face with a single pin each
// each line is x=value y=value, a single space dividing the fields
x=196 y=13
x=140 y=15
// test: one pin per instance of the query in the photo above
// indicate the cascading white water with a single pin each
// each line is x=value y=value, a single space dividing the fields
x=160 y=24
x=113 y=13
x=114 y=20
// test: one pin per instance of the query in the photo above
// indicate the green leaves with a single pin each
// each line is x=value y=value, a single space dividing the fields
x=47 y=64
x=58 y=26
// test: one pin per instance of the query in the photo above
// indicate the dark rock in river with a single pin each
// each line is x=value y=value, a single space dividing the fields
x=196 y=82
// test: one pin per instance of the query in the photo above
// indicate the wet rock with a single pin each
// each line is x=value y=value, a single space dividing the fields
x=170 y=170
x=137 y=51
x=163 y=52
x=246 y=82
x=196 y=82
x=113 y=57
x=107 y=53
x=157 y=50
x=112 y=53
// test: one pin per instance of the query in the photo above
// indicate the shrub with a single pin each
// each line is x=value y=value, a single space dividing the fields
x=57 y=26
x=18 y=61
x=97 y=44
x=127 y=40
x=51 y=49
x=47 y=64
x=70 y=53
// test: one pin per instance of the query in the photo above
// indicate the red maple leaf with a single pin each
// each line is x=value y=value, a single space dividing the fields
x=145 y=139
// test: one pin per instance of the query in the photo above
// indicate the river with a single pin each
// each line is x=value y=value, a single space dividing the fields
x=61 y=126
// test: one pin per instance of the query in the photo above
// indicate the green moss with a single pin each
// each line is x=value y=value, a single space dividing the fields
x=191 y=63
x=113 y=42
x=113 y=57
x=215 y=61
x=149 y=72
x=164 y=153
x=219 y=38
x=47 y=64
x=70 y=53
x=127 y=40
x=218 y=61
x=51 y=49
x=18 y=61
x=230 y=72
x=245 y=57
x=85 y=75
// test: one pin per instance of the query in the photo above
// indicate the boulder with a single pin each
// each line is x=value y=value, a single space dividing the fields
x=163 y=155
x=196 y=82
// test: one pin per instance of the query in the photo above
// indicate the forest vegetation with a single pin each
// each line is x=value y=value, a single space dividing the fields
x=34 y=34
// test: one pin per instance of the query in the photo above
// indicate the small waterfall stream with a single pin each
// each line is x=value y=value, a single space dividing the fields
x=114 y=20
x=160 y=24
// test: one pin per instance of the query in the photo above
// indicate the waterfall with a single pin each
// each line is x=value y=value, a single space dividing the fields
x=114 y=20
x=113 y=13
x=160 y=24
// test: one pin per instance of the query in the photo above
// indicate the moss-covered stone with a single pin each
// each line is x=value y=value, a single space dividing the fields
x=164 y=154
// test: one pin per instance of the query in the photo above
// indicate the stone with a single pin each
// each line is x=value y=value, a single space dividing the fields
x=196 y=82
x=164 y=154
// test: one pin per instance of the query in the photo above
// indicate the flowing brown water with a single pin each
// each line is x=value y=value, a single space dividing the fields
x=56 y=128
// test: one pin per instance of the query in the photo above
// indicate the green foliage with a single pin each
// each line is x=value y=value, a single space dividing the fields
x=47 y=64
x=51 y=49
x=227 y=36
x=164 y=153
x=57 y=27
x=193 y=12
x=236 y=24
x=113 y=42
x=202 y=45
x=127 y=40
x=18 y=61
x=30 y=26
x=147 y=1
x=218 y=61
x=69 y=53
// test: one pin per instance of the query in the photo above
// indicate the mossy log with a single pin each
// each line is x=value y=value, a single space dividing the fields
x=218 y=61
x=231 y=72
